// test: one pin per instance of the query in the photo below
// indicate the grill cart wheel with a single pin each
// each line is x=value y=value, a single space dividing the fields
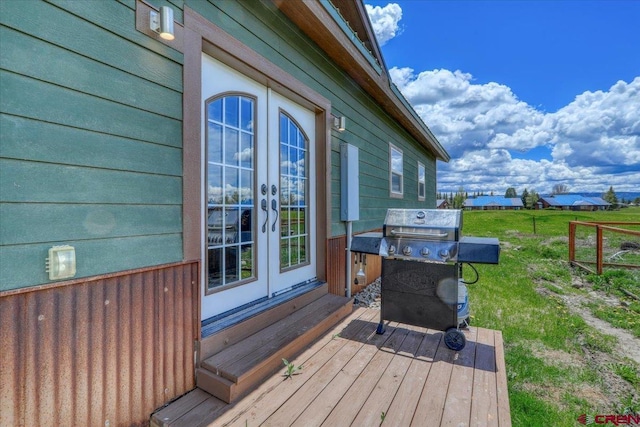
x=455 y=339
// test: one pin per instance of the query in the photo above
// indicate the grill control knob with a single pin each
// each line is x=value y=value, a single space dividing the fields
x=391 y=250
x=406 y=250
x=444 y=253
x=425 y=252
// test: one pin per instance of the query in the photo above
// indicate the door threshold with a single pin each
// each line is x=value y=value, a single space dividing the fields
x=232 y=317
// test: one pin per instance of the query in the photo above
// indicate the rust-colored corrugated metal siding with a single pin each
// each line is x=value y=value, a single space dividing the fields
x=336 y=267
x=336 y=264
x=103 y=352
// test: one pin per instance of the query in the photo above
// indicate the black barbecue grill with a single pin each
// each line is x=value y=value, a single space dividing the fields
x=422 y=254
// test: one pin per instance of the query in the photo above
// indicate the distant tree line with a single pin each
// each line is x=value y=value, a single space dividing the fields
x=529 y=197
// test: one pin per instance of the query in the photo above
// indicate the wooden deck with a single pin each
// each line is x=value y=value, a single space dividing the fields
x=353 y=377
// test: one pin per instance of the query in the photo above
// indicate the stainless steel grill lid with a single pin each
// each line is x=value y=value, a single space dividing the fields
x=429 y=224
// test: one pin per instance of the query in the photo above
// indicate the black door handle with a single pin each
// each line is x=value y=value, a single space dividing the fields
x=274 y=207
x=263 y=204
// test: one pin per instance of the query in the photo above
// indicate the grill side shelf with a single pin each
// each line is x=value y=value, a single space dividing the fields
x=479 y=250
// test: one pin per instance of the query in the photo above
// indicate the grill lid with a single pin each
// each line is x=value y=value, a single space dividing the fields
x=427 y=224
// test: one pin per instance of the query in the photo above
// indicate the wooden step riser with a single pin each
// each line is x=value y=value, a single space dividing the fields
x=228 y=391
x=216 y=385
x=234 y=334
x=237 y=360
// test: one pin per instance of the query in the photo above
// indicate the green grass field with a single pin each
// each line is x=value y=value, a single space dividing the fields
x=558 y=366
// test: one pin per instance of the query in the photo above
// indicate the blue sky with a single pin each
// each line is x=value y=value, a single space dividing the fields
x=525 y=94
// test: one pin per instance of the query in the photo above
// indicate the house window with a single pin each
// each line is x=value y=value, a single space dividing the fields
x=421 y=181
x=395 y=171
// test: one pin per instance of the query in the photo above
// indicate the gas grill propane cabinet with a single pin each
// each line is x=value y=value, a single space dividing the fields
x=422 y=255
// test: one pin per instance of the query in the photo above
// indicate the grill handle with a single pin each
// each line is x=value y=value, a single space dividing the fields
x=414 y=234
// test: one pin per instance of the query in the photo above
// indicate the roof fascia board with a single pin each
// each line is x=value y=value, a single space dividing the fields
x=370 y=34
x=348 y=32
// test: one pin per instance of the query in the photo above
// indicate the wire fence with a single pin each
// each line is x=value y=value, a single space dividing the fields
x=596 y=245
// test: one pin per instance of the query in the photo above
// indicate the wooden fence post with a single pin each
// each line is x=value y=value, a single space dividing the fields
x=599 y=250
x=572 y=242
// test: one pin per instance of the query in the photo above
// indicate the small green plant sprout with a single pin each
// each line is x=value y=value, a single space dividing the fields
x=383 y=415
x=335 y=336
x=291 y=369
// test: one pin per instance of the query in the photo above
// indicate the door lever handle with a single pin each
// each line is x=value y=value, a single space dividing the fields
x=274 y=207
x=263 y=204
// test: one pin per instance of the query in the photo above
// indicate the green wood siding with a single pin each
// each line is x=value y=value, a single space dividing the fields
x=91 y=131
x=93 y=257
x=262 y=27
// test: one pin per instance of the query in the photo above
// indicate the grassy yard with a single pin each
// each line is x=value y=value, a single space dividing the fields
x=558 y=365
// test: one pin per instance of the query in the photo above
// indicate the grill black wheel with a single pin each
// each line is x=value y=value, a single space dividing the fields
x=455 y=339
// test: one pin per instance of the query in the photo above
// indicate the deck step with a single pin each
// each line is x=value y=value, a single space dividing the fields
x=236 y=332
x=239 y=367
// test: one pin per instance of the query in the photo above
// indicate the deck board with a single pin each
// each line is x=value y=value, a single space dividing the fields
x=434 y=393
x=457 y=407
x=406 y=400
x=351 y=376
x=484 y=409
x=504 y=412
x=348 y=408
x=333 y=393
x=385 y=390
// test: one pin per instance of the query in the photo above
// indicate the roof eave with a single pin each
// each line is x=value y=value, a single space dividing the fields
x=319 y=25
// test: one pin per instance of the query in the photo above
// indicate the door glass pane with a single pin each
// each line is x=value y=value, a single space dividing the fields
x=246 y=115
x=246 y=187
x=246 y=150
x=215 y=110
x=284 y=253
x=230 y=190
x=215 y=267
x=284 y=221
x=214 y=189
x=293 y=191
x=231 y=146
x=246 y=225
x=231 y=185
x=231 y=111
x=302 y=223
x=215 y=142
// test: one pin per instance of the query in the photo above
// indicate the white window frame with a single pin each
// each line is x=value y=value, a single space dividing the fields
x=422 y=197
x=392 y=172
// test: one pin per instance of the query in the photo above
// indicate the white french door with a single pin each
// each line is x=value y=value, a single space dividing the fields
x=258 y=150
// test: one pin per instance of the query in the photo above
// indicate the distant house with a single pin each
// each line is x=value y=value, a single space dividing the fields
x=574 y=202
x=442 y=204
x=485 y=203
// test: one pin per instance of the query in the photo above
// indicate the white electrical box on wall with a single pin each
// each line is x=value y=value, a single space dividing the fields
x=349 y=183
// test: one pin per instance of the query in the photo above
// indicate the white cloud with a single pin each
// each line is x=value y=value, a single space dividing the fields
x=384 y=21
x=593 y=142
x=601 y=129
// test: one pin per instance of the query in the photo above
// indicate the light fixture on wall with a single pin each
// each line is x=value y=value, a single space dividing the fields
x=340 y=123
x=162 y=22
x=61 y=263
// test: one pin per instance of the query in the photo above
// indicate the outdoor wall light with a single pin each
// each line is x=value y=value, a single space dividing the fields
x=61 y=263
x=340 y=123
x=162 y=22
